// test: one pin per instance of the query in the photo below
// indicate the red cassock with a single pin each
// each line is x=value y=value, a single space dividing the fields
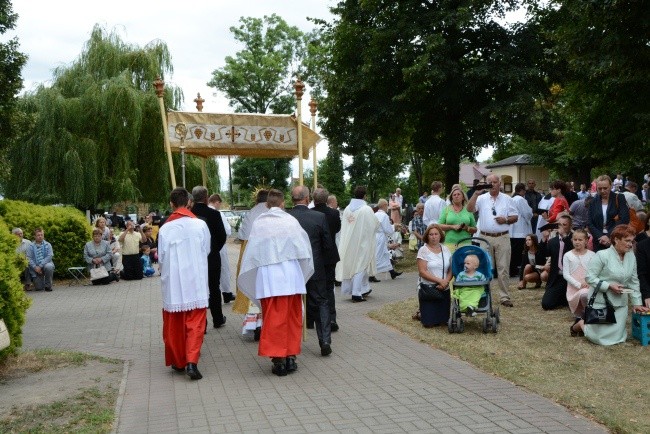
x=282 y=330
x=183 y=336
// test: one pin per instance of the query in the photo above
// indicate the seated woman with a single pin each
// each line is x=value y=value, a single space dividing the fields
x=533 y=267
x=150 y=241
x=613 y=272
x=469 y=296
x=434 y=267
x=100 y=224
x=97 y=253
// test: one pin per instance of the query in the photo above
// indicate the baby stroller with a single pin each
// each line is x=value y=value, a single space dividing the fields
x=491 y=320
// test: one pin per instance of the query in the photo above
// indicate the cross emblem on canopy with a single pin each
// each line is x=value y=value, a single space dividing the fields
x=233 y=134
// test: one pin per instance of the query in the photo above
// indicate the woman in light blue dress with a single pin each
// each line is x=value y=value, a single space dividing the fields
x=613 y=271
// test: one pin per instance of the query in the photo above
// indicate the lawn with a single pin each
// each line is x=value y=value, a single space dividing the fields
x=533 y=349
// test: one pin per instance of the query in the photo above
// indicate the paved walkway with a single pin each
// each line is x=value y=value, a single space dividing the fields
x=376 y=381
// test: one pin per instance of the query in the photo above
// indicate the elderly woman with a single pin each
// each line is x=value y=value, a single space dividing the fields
x=149 y=241
x=613 y=272
x=100 y=224
x=97 y=253
x=434 y=268
x=607 y=213
x=455 y=220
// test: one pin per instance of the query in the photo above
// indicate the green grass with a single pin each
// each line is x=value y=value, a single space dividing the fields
x=533 y=349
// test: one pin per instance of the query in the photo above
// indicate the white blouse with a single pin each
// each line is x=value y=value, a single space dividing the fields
x=437 y=263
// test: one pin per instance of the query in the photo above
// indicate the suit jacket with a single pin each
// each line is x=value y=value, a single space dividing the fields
x=643 y=267
x=334 y=223
x=217 y=232
x=552 y=248
x=595 y=222
x=315 y=224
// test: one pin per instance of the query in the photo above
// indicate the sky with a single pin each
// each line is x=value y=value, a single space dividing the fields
x=53 y=33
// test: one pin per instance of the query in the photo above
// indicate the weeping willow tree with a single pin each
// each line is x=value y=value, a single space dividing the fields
x=95 y=135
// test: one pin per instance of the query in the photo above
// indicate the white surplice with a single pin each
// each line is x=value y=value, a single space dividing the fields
x=384 y=230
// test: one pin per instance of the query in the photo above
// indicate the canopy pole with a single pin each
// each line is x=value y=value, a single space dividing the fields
x=160 y=91
x=313 y=106
x=300 y=90
x=204 y=173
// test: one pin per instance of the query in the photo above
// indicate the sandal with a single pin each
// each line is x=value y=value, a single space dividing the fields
x=574 y=332
x=416 y=316
x=521 y=285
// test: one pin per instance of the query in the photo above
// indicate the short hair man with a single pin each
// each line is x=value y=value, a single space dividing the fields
x=39 y=256
x=321 y=196
x=323 y=251
x=357 y=247
x=213 y=219
x=496 y=212
x=276 y=264
x=556 y=247
x=183 y=249
x=434 y=205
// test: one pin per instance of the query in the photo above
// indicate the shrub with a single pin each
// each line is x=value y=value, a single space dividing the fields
x=13 y=301
x=65 y=228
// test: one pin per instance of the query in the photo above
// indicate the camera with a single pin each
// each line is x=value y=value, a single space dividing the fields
x=482 y=186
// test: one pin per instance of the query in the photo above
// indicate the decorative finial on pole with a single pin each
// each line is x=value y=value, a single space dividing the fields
x=300 y=89
x=199 y=102
x=160 y=87
x=313 y=107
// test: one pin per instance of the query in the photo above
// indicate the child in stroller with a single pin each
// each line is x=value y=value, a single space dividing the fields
x=469 y=296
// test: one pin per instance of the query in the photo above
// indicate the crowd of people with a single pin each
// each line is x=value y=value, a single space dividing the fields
x=581 y=245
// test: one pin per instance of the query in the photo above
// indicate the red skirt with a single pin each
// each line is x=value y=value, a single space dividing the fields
x=282 y=328
x=183 y=336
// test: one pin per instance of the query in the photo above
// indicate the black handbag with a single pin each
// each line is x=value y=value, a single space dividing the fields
x=431 y=291
x=599 y=316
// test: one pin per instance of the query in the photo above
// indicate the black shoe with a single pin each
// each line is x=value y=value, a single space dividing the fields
x=325 y=350
x=291 y=365
x=394 y=274
x=365 y=294
x=374 y=279
x=279 y=367
x=310 y=325
x=357 y=299
x=48 y=289
x=223 y=323
x=334 y=326
x=337 y=283
x=228 y=297
x=177 y=369
x=193 y=371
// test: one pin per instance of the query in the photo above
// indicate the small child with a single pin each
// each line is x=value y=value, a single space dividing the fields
x=574 y=270
x=469 y=296
x=147 y=268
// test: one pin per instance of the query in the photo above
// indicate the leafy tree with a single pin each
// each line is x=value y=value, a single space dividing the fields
x=249 y=173
x=330 y=174
x=95 y=134
x=11 y=64
x=259 y=79
x=440 y=76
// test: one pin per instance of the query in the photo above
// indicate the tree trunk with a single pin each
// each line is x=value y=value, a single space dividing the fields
x=451 y=165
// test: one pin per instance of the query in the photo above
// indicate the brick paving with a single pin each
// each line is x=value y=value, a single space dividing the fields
x=376 y=380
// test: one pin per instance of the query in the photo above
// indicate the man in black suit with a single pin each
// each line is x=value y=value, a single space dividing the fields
x=217 y=240
x=334 y=223
x=315 y=224
x=555 y=293
x=643 y=269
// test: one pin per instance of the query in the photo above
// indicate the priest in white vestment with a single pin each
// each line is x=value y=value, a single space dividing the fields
x=357 y=247
x=276 y=265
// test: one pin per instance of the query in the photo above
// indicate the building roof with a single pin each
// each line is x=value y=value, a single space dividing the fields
x=515 y=160
x=471 y=171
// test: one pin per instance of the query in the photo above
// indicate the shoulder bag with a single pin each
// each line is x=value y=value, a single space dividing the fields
x=4 y=335
x=599 y=316
x=98 y=272
x=432 y=291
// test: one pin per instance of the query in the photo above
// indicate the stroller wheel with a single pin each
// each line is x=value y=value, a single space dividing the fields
x=451 y=325
x=495 y=326
x=497 y=317
x=486 y=324
x=460 y=325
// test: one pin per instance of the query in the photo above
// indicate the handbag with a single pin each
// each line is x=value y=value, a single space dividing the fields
x=98 y=272
x=599 y=316
x=432 y=291
x=5 y=340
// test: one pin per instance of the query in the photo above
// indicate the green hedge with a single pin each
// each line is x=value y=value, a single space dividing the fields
x=13 y=301
x=65 y=228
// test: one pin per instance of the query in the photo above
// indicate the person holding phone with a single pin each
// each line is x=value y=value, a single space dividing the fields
x=130 y=240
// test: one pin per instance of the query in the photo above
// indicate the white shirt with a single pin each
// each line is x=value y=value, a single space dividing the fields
x=521 y=228
x=502 y=205
x=633 y=201
x=432 y=209
x=437 y=263
x=399 y=199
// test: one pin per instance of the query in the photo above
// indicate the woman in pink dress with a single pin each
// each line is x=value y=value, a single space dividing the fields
x=395 y=210
x=574 y=271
